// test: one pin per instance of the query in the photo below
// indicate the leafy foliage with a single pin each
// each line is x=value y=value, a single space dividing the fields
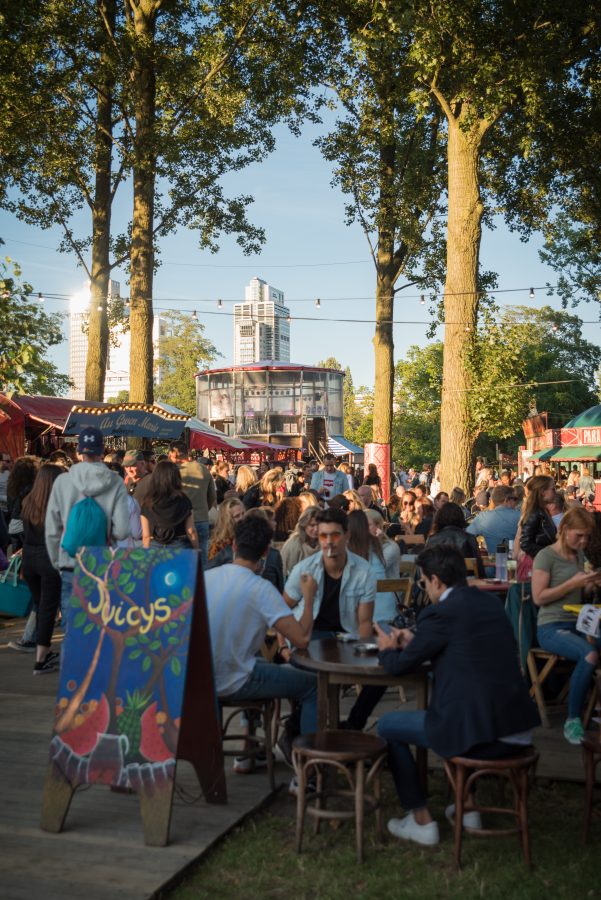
x=182 y=353
x=510 y=362
x=26 y=333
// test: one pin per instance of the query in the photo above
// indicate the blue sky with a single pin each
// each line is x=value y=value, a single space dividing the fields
x=304 y=221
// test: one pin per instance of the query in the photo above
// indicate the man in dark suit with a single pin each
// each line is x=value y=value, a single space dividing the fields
x=480 y=705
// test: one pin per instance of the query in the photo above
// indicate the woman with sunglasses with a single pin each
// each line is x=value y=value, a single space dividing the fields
x=409 y=516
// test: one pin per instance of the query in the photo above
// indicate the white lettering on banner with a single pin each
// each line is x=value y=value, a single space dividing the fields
x=591 y=435
x=149 y=424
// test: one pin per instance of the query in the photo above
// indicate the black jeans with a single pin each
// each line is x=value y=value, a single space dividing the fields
x=44 y=582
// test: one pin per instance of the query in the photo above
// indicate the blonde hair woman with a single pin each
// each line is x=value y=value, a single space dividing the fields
x=272 y=486
x=355 y=500
x=230 y=512
x=308 y=500
x=302 y=542
x=245 y=478
x=559 y=578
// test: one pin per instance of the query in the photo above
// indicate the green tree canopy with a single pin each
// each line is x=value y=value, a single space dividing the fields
x=26 y=333
x=182 y=353
x=538 y=355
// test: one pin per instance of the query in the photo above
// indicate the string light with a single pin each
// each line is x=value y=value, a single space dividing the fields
x=194 y=316
x=318 y=303
x=220 y=303
x=531 y=294
x=422 y=299
x=40 y=297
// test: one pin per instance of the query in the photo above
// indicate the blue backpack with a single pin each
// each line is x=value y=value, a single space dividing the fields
x=86 y=526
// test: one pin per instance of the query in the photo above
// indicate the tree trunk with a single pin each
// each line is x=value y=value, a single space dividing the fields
x=460 y=304
x=98 y=329
x=383 y=356
x=144 y=14
x=386 y=276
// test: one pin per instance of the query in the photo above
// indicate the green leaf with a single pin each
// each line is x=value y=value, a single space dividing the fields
x=135 y=654
x=131 y=641
x=176 y=666
x=156 y=645
x=146 y=664
x=80 y=618
x=89 y=627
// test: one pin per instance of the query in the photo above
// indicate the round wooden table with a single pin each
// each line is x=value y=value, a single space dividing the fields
x=336 y=663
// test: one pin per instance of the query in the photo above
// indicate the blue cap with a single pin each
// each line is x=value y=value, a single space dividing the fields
x=90 y=441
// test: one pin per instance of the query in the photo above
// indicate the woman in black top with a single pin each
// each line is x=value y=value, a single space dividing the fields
x=19 y=484
x=167 y=517
x=537 y=528
x=43 y=580
x=449 y=528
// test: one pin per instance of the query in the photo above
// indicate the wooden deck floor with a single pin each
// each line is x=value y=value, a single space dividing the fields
x=101 y=853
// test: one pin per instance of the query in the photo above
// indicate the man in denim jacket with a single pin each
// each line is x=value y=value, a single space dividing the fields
x=346 y=587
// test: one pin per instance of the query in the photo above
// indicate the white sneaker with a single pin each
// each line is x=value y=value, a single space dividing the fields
x=407 y=829
x=293 y=787
x=471 y=818
x=246 y=764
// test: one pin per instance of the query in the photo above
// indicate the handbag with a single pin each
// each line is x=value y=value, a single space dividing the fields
x=15 y=526
x=15 y=596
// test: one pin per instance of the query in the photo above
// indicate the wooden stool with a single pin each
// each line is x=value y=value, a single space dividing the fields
x=514 y=769
x=346 y=752
x=537 y=678
x=591 y=754
x=253 y=745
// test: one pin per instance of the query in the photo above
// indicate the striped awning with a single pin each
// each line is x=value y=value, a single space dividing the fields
x=340 y=446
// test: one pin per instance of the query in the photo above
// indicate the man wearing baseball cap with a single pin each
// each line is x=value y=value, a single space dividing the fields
x=137 y=475
x=89 y=478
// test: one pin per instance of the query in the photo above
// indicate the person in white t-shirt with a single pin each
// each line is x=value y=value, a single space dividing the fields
x=241 y=607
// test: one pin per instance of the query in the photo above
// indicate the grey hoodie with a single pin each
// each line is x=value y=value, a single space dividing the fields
x=86 y=479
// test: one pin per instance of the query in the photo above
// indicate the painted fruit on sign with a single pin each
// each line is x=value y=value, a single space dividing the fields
x=83 y=738
x=152 y=745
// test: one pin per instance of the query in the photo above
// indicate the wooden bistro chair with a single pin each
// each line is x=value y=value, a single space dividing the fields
x=354 y=756
x=472 y=567
x=591 y=755
x=407 y=569
x=412 y=540
x=400 y=587
x=253 y=745
x=463 y=771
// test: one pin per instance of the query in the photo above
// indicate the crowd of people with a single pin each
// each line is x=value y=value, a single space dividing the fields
x=300 y=549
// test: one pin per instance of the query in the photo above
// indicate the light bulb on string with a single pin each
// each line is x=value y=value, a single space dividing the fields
x=220 y=303
x=531 y=294
x=422 y=299
x=194 y=316
x=100 y=307
x=40 y=297
x=318 y=303
x=554 y=327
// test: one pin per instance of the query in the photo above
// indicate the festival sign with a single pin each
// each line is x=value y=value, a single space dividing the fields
x=136 y=687
x=127 y=421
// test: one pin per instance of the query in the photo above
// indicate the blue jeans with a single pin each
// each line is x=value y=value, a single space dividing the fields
x=66 y=591
x=203 y=541
x=267 y=681
x=562 y=638
x=399 y=729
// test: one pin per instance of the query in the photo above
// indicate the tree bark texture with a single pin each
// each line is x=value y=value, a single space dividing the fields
x=386 y=277
x=460 y=304
x=143 y=19
x=98 y=329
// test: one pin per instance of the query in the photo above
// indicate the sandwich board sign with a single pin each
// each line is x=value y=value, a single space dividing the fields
x=136 y=688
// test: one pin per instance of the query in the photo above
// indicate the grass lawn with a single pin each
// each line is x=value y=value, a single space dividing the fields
x=257 y=860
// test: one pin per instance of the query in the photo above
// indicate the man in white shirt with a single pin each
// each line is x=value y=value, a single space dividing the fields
x=241 y=607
